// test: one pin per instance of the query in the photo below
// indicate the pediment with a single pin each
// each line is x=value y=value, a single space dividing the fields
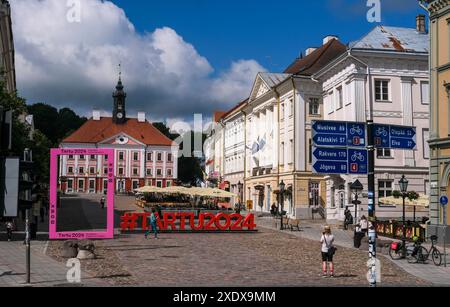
x=121 y=139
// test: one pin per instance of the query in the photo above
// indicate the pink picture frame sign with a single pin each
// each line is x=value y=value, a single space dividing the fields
x=53 y=233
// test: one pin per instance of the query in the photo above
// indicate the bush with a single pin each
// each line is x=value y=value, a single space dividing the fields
x=396 y=194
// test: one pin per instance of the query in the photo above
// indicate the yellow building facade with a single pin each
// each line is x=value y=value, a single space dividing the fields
x=439 y=11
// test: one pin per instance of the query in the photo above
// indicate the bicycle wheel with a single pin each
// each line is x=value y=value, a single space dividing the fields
x=437 y=257
x=422 y=255
x=396 y=254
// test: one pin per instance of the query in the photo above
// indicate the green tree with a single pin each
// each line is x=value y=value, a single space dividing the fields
x=189 y=168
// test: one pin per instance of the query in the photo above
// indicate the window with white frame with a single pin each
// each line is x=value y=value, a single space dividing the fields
x=81 y=171
x=120 y=171
x=425 y=92
x=382 y=90
x=282 y=153
x=92 y=170
x=149 y=172
x=121 y=156
x=135 y=156
x=339 y=98
x=291 y=151
x=70 y=170
x=159 y=157
x=135 y=171
x=168 y=184
x=330 y=103
x=314 y=106
x=384 y=153
x=347 y=93
x=159 y=172
x=426 y=146
x=150 y=157
x=169 y=172
x=159 y=183
x=385 y=188
x=282 y=112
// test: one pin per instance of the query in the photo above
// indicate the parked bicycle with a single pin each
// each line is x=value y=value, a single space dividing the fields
x=416 y=253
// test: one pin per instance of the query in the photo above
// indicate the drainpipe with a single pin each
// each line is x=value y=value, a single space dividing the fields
x=244 y=186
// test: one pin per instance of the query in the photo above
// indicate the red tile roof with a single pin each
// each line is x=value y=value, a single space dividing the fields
x=318 y=59
x=237 y=107
x=96 y=131
x=218 y=116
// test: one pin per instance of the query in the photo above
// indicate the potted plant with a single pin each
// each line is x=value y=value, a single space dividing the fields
x=413 y=195
x=396 y=194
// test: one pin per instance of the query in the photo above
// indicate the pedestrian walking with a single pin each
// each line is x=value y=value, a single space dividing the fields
x=153 y=225
x=103 y=201
x=361 y=230
x=328 y=251
x=348 y=218
x=9 y=229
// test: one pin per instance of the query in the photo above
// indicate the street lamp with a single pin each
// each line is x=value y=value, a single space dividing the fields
x=356 y=187
x=404 y=188
x=282 y=189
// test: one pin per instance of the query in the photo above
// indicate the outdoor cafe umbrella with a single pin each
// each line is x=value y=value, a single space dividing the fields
x=422 y=202
x=148 y=189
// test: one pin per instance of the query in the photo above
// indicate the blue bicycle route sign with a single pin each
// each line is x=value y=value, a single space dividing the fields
x=339 y=161
x=339 y=134
x=395 y=137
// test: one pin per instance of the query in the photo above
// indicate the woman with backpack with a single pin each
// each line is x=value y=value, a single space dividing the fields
x=328 y=251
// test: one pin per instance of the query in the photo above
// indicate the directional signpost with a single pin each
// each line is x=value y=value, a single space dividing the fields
x=395 y=137
x=339 y=134
x=339 y=160
x=331 y=153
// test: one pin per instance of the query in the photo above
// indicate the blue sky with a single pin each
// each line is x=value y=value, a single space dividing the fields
x=190 y=56
x=271 y=32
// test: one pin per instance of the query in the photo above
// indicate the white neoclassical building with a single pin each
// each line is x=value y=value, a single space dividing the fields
x=386 y=72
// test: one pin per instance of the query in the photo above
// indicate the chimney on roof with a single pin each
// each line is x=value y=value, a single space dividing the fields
x=329 y=38
x=96 y=115
x=141 y=117
x=420 y=23
x=310 y=50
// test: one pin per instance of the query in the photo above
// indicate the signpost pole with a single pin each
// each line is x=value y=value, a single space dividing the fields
x=371 y=200
x=28 y=246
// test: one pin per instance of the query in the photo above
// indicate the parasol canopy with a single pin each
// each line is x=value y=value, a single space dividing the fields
x=149 y=189
x=422 y=202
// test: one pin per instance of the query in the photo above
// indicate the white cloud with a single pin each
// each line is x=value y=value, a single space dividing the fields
x=75 y=64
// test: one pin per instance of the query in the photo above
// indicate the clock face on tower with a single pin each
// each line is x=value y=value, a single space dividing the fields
x=119 y=115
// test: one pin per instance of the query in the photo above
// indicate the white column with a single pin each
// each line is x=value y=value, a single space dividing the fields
x=286 y=134
x=360 y=100
x=154 y=163
x=100 y=166
x=142 y=164
x=275 y=140
x=164 y=156
x=175 y=164
x=406 y=91
x=63 y=168
x=300 y=150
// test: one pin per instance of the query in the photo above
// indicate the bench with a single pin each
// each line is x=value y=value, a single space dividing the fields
x=294 y=223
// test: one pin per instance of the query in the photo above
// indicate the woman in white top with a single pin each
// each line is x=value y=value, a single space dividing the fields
x=328 y=250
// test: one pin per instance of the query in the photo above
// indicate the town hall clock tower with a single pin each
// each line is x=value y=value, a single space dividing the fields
x=119 y=112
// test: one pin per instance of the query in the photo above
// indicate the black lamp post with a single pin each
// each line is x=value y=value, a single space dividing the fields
x=282 y=189
x=356 y=188
x=404 y=189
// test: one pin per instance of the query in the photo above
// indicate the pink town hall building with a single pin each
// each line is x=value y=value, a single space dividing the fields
x=143 y=155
